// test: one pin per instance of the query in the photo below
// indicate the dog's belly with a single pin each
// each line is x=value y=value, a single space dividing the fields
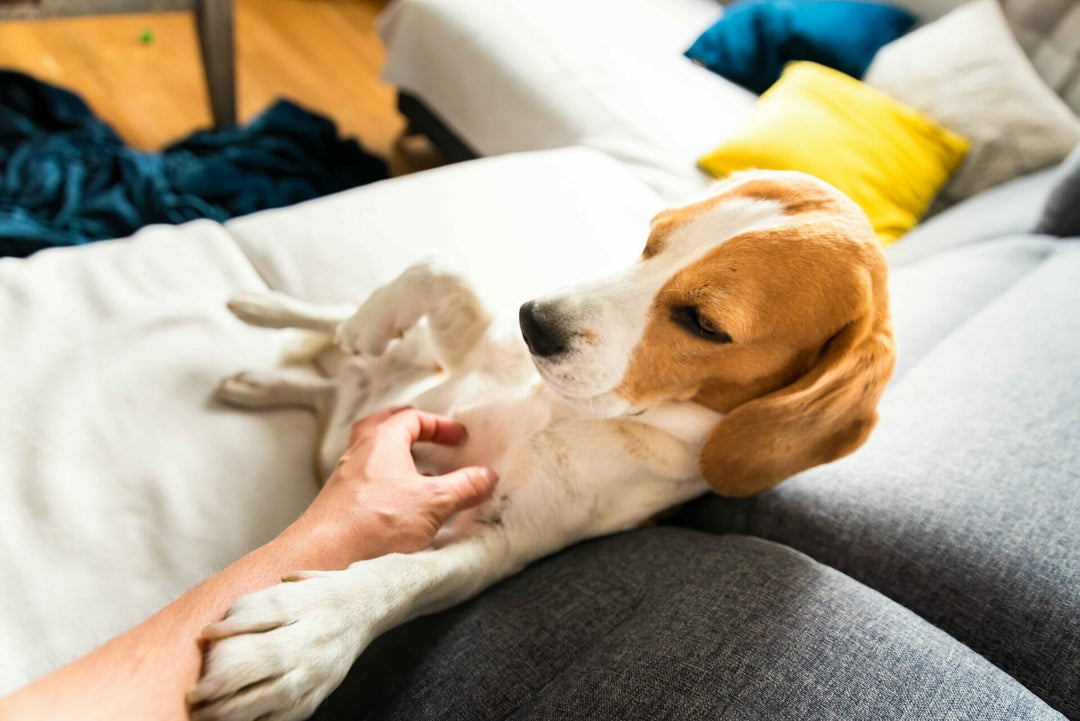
x=499 y=418
x=558 y=469
x=487 y=391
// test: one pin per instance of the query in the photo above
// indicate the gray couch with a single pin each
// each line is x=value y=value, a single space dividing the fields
x=935 y=573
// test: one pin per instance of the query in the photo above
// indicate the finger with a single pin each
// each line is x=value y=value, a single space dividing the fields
x=424 y=426
x=368 y=423
x=466 y=487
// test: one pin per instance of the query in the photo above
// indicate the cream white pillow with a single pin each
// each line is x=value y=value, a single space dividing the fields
x=967 y=71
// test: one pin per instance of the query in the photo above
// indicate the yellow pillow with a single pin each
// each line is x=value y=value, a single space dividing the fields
x=887 y=157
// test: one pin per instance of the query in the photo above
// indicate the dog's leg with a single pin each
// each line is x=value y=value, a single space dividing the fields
x=281 y=650
x=456 y=317
x=278 y=310
x=277 y=388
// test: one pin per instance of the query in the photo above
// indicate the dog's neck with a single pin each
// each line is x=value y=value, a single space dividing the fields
x=686 y=420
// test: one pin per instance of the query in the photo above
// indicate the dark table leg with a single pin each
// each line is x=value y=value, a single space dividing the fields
x=214 y=21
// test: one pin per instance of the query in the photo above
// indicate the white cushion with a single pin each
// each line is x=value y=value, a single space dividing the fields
x=517 y=75
x=1048 y=31
x=967 y=71
x=518 y=224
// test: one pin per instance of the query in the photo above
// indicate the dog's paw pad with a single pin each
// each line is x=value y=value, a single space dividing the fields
x=260 y=309
x=247 y=389
x=357 y=337
x=297 y=576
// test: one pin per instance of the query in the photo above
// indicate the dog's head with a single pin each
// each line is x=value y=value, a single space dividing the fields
x=766 y=301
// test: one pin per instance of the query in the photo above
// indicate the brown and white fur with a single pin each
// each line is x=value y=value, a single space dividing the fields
x=750 y=341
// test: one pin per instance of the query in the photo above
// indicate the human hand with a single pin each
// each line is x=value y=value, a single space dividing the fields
x=376 y=502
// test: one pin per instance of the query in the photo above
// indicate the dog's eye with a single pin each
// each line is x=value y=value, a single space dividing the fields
x=700 y=325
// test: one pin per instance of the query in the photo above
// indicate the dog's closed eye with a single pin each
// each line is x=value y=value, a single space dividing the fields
x=697 y=323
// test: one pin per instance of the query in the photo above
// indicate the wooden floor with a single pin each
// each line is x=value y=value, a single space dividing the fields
x=322 y=54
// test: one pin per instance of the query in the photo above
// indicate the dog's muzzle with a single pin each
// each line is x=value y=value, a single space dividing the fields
x=543 y=336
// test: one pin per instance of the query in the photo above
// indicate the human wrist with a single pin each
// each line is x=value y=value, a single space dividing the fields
x=308 y=545
x=319 y=543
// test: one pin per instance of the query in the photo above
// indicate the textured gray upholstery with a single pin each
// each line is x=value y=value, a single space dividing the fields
x=1061 y=213
x=965 y=504
x=934 y=296
x=964 y=507
x=675 y=624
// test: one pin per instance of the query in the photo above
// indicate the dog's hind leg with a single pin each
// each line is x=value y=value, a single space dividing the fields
x=273 y=309
x=278 y=388
x=456 y=317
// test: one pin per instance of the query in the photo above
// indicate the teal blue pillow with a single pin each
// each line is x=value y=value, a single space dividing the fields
x=754 y=39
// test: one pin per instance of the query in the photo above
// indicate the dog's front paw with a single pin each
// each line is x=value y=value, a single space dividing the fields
x=356 y=337
x=278 y=653
x=371 y=328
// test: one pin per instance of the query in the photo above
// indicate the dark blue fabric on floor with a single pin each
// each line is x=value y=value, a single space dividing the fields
x=67 y=179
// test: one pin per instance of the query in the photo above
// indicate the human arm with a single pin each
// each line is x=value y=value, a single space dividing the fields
x=374 y=503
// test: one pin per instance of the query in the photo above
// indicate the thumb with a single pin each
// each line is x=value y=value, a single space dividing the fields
x=467 y=487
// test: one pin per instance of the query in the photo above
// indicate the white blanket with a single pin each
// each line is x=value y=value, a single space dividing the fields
x=121 y=483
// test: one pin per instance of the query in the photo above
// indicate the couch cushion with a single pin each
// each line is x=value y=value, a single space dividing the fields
x=1061 y=214
x=674 y=624
x=520 y=75
x=1008 y=209
x=519 y=225
x=964 y=505
x=932 y=297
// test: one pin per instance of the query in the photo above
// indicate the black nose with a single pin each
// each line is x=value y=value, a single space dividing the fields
x=543 y=340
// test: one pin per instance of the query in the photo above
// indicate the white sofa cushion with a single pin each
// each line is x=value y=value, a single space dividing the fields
x=518 y=224
x=519 y=75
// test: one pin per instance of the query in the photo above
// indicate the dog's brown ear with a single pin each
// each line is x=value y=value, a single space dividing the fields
x=824 y=415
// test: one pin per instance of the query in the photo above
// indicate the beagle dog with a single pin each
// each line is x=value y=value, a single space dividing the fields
x=750 y=341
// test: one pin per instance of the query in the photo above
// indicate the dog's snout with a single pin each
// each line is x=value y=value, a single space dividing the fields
x=543 y=338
